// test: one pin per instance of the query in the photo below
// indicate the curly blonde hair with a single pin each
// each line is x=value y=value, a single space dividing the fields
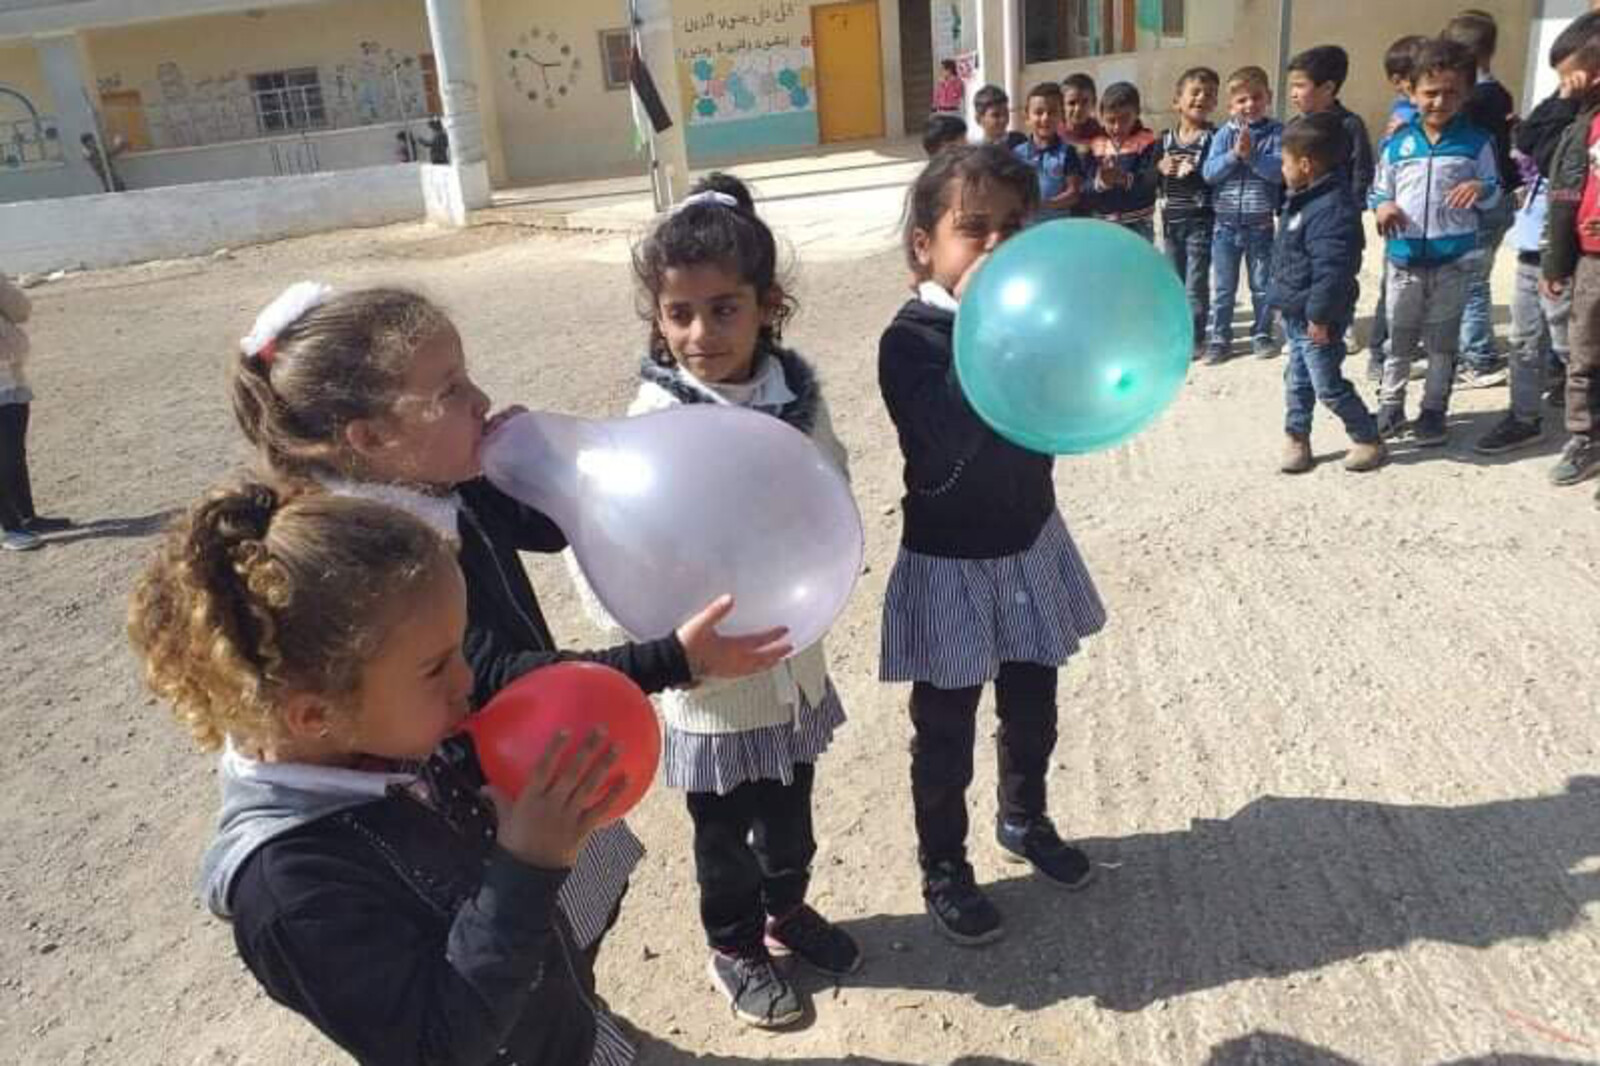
x=343 y=360
x=259 y=591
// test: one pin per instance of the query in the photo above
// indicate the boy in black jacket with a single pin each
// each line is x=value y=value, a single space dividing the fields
x=1314 y=267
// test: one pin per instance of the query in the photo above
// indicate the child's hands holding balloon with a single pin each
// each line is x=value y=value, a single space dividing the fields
x=711 y=654
x=557 y=809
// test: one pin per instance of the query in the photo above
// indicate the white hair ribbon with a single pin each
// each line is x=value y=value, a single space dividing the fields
x=279 y=315
x=710 y=196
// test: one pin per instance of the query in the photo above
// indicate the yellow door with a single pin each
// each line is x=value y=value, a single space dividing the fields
x=844 y=38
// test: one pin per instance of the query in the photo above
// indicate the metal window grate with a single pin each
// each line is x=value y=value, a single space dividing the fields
x=289 y=100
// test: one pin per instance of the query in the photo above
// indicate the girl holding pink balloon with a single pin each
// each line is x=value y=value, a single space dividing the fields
x=367 y=395
x=742 y=750
x=319 y=640
x=988 y=585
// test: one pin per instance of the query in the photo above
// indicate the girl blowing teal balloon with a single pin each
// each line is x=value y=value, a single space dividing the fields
x=988 y=585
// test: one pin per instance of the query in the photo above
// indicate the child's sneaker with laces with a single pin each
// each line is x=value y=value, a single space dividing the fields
x=957 y=905
x=1429 y=429
x=812 y=938
x=755 y=989
x=1037 y=843
x=1510 y=434
x=1579 y=459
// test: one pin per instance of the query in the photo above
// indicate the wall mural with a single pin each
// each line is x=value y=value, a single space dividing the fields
x=747 y=65
x=544 y=68
x=377 y=84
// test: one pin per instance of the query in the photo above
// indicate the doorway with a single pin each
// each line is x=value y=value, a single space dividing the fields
x=849 y=71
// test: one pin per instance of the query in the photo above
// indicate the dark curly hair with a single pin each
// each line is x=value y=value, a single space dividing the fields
x=733 y=238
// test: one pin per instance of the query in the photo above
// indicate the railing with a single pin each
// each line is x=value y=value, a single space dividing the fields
x=29 y=142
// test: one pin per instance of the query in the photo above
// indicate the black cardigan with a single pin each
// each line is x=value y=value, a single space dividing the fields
x=970 y=494
x=506 y=632
x=408 y=940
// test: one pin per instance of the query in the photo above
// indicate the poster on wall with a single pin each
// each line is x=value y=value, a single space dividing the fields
x=748 y=78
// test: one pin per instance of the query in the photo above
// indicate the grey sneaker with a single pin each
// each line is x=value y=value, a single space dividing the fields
x=1579 y=459
x=754 y=989
x=20 y=540
x=1391 y=422
x=1264 y=348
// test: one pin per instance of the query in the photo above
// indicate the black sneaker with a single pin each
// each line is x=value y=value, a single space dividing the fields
x=1428 y=430
x=1036 y=843
x=809 y=936
x=1216 y=355
x=1508 y=436
x=1579 y=459
x=1391 y=422
x=958 y=906
x=755 y=990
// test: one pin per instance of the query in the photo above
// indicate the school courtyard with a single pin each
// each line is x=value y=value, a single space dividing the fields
x=1338 y=750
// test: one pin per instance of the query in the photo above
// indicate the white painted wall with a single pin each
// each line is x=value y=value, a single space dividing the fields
x=110 y=230
x=1554 y=16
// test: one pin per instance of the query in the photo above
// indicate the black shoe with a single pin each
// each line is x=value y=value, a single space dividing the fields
x=1216 y=355
x=1508 y=436
x=1428 y=431
x=808 y=935
x=1579 y=459
x=1391 y=422
x=1036 y=843
x=38 y=524
x=958 y=906
x=755 y=990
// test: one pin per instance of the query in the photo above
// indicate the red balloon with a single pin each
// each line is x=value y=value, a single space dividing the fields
x=516 y=727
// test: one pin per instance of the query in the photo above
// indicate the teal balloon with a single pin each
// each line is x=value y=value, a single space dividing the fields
x=1073 y=337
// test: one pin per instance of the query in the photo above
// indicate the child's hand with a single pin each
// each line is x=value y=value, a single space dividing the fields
x=1464 y=195
x=1169 y=166
x=711 y=654
x=1591 y=229
x=548 y=823
x=1186 y=166
x=1391 y=220
x=1553 y=290
x=1245 y=144
x=1395 y=123
x=1318 y=332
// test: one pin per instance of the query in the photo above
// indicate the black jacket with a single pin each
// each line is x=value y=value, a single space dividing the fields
x=1569 y=170
x=970 y=494
x=1490 y=107
x=407 y=939
x=1538 y=135
x=1318 y=254
x=506 y=632
x=1359 y=167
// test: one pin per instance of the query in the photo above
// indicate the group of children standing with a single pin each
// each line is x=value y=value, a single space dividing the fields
x=1453 y=173
x=332 y=620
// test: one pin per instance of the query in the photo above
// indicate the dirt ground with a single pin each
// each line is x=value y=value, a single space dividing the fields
x=1338 y=749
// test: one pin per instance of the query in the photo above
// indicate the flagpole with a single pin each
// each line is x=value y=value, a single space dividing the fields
x=647 y=129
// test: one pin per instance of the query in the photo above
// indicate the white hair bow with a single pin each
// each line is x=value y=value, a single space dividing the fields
x=280 y=314
x=710 y=196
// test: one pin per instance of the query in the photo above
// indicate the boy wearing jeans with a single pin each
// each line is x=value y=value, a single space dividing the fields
x=1314 y=268
x=1244 y=167
x=1435 y=176
x=1399 y=64
x=1187 y=218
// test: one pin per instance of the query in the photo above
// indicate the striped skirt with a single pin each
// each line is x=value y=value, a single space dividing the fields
x=611 y=1048
x=952 y=622
x=598 y=879
x=721 y=762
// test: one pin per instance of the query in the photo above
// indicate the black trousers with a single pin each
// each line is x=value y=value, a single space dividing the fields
x=16 y=491
x=945 y=725
x=752 y=856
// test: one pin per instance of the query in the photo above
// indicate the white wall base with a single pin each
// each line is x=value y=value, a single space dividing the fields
x=451 y=193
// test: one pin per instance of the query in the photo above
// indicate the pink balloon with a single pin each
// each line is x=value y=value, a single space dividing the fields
x=668 y=511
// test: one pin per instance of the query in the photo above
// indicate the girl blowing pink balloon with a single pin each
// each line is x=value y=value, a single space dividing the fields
x=988 y=586
x=370 y=889
x=743 y=750
x=366 y=394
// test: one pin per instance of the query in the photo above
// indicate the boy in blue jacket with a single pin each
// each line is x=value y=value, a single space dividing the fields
x=1435 y=176
x=1245 y=170
x=1314 y=267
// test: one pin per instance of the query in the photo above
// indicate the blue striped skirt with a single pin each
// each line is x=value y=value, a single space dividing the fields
x=598 y=879
x=721 y=762
x=952 y=622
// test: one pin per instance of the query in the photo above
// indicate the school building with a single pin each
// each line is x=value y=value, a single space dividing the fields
x=537 y=90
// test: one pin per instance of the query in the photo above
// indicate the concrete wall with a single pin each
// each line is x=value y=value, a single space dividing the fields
x=1226 y=34
x=110 y=230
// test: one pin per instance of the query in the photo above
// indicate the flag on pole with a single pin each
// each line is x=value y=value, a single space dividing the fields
x=644 y=87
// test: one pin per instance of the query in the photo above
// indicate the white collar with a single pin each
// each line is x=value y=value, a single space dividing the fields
x=307 y=777
x=767 y=388
x=935 y=295
x=440 y=512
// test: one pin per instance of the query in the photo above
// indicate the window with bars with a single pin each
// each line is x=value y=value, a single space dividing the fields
x=616 y=51
x=288 y=100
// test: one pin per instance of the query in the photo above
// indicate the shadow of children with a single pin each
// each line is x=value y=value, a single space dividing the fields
x=1286 y=885
x=1262 y=1048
